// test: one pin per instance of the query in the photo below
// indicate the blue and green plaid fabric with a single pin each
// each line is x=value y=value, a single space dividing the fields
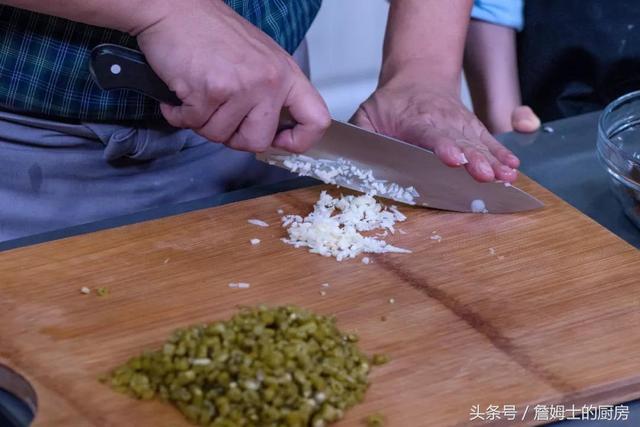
x=44 y=60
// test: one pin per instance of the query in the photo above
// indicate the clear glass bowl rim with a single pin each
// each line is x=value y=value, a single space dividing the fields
x=602 y=134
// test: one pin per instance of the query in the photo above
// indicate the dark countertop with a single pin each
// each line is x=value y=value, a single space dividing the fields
x=564 y=161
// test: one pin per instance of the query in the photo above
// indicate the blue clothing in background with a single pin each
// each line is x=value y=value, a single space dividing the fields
x=501 y=12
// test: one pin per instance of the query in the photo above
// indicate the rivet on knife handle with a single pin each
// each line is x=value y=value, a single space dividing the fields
x=118 y=67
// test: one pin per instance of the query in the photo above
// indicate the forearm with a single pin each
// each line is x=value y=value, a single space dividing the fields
x=490 y=65
x=427 y=37
x=130 y=16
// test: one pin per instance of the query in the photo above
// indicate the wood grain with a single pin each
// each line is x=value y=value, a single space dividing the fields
x=552 y=317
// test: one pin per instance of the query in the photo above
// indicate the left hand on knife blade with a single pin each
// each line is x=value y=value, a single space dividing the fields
x=436 y=119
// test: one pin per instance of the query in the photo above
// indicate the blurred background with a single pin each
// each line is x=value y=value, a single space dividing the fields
x=345 y=50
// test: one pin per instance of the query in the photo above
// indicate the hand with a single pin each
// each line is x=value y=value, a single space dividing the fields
x=232 y=78
x=435 y=118
x=520 y=119
x=524 y=120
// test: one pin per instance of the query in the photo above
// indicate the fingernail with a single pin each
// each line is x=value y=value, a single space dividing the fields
x=512 y=158
x=506 y=170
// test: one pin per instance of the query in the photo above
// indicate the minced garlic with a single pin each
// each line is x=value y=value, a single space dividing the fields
x=345 y=172
x=335 y=225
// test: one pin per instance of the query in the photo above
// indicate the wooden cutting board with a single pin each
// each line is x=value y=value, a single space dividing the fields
x=552 y=317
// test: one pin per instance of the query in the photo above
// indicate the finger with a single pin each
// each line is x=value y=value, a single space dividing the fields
x=310 y=112
x=499 y=151
x=480 y=165
x=258 y=129
x=197 y=105
x=523 y=119
x=485 y=167
x=225 y=121
x=447 y=149
x=187 y=116
x=505 y=173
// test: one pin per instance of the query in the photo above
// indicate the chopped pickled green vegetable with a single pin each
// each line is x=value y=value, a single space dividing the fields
x=102 y=292
x=375 y=420
x=379 y=359
x=264 y=367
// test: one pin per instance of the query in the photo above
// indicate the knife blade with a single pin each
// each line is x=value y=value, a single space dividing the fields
x=389 y=159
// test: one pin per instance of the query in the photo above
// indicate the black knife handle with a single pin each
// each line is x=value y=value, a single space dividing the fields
x=118 y=67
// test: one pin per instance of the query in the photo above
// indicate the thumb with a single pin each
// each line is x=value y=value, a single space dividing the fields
x=309 y=110
x=523 y=119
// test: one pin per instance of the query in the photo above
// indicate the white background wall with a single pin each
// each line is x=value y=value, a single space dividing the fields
x=345 y=49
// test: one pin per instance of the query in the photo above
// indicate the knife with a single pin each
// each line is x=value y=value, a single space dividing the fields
x=389 y=159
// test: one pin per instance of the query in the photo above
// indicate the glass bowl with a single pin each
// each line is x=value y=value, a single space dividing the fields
x=619 y=151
